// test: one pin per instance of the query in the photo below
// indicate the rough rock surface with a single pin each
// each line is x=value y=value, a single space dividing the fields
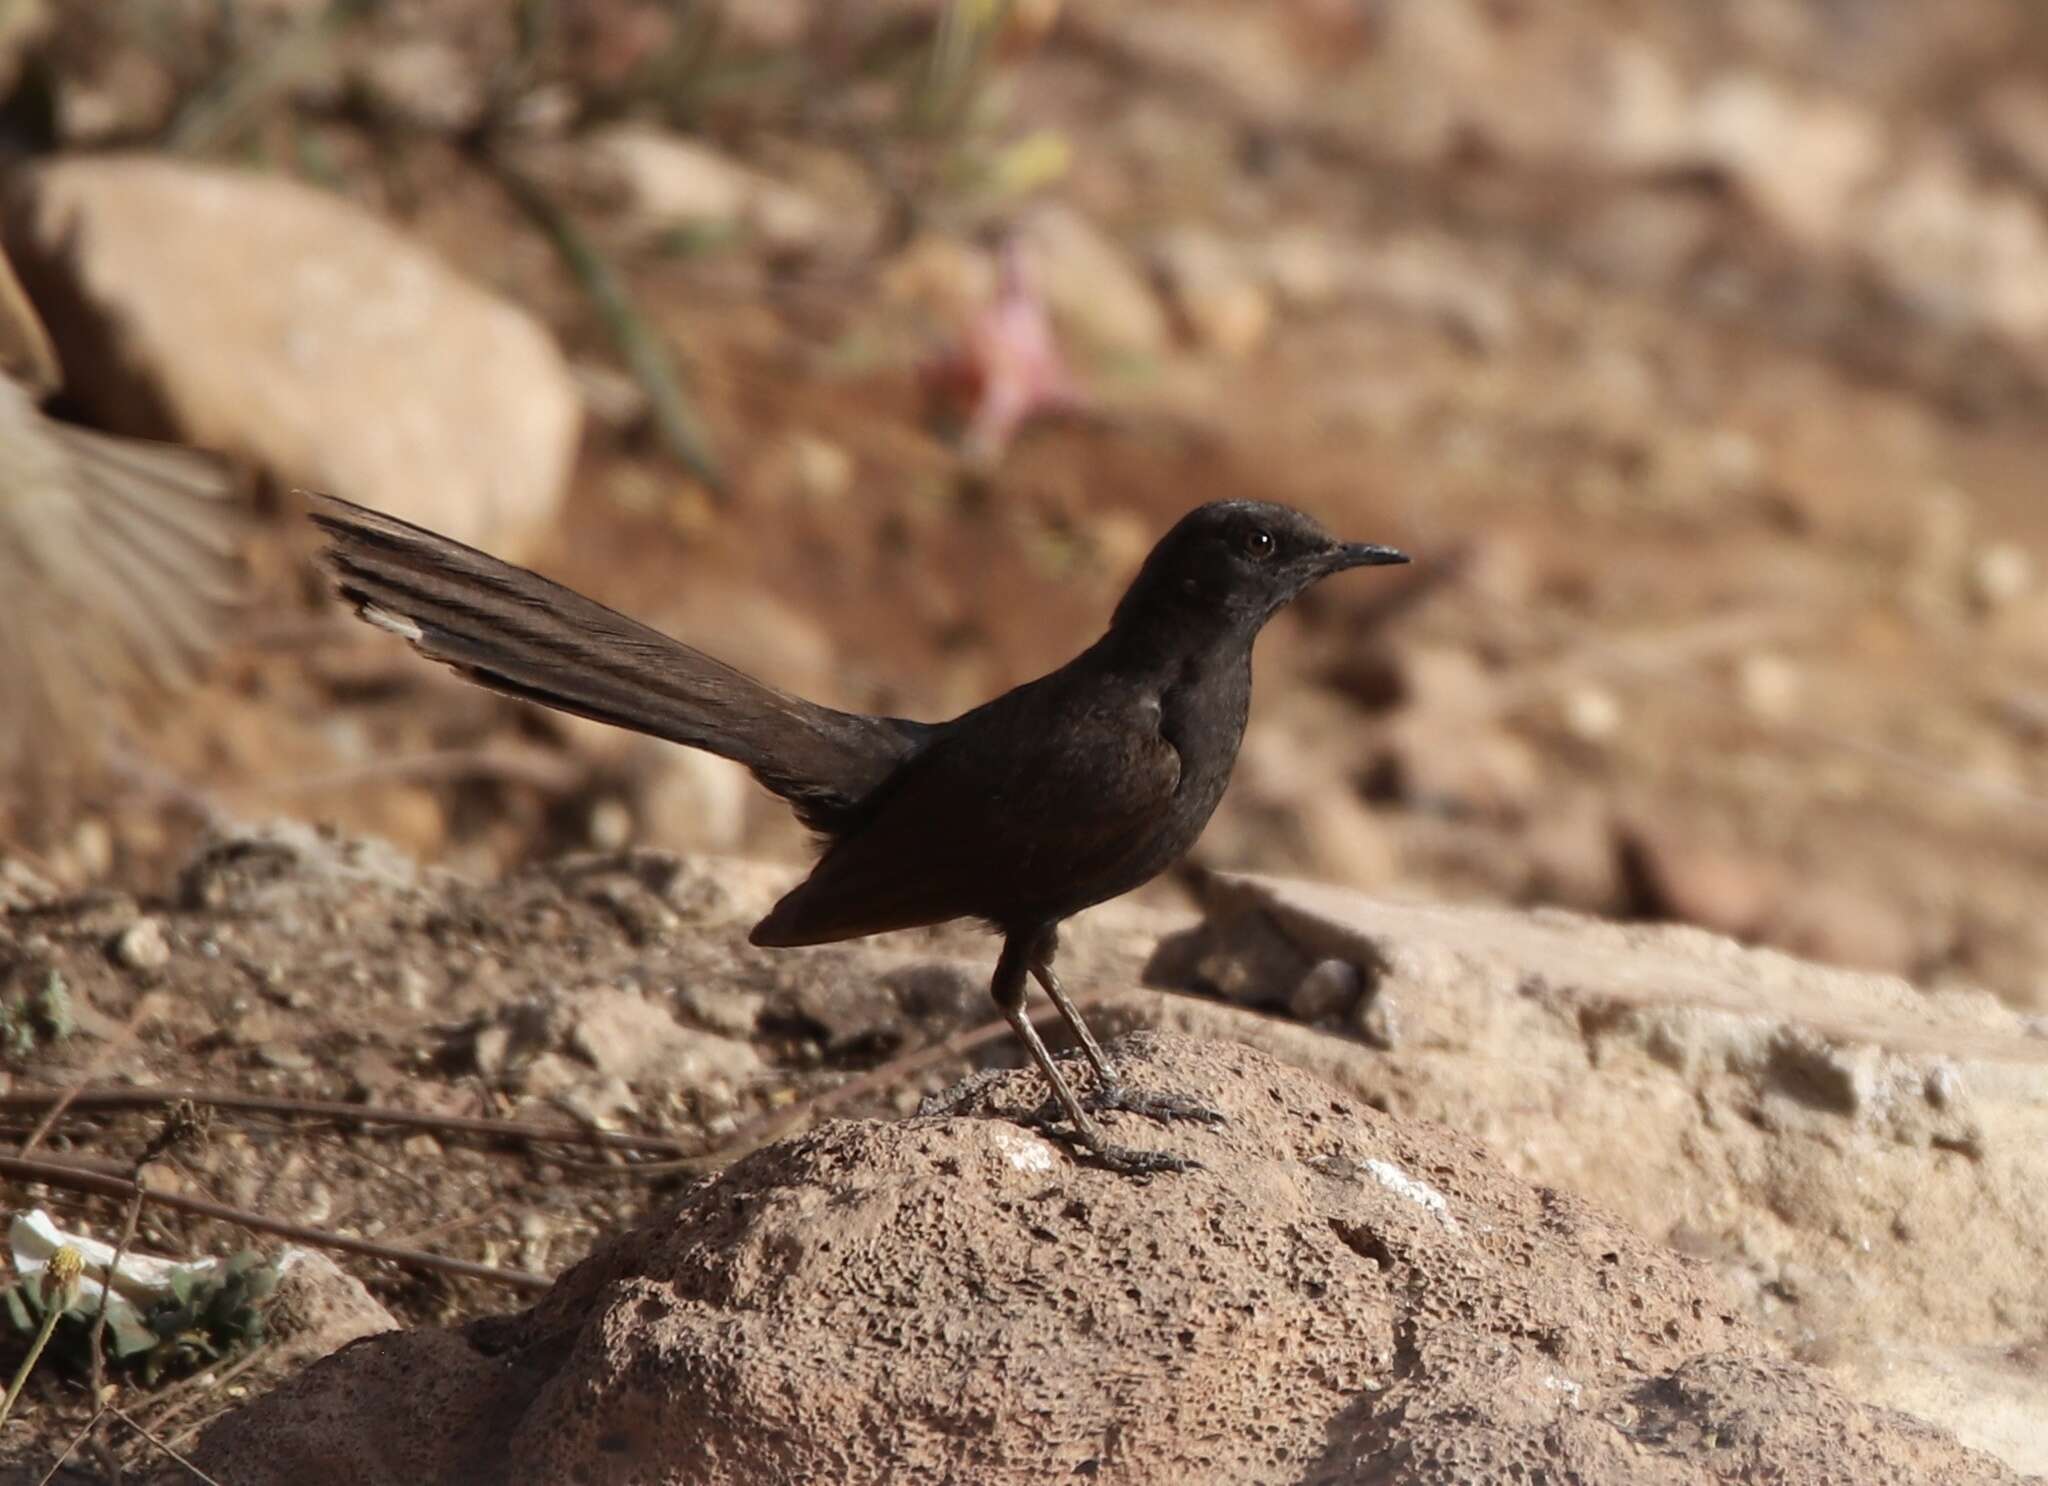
x=370 y=369
x=1337 y=1295
x=1867 y=1163
x=320 y=1307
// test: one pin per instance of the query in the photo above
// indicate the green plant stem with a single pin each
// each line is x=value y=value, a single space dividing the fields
x=28 y=1363
x=210 y=119
x=675 y=416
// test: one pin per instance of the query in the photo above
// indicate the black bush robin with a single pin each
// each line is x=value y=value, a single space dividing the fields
x=1065 y=792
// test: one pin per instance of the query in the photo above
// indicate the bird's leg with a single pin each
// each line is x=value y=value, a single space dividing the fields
x=1042 y=952
x=1110 y=1091
x=1008 y=990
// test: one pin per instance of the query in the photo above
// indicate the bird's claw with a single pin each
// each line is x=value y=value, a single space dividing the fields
x=1087 y=1143
x=1130 y=1162
x=1161 y=1107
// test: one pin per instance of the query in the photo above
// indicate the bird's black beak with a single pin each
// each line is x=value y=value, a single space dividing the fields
x=1360 y=555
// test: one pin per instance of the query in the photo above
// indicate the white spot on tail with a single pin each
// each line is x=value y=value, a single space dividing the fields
x=398 y=624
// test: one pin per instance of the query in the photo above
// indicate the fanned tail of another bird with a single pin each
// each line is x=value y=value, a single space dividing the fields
x=120 y=561
x=162 y=528
x=521 y=634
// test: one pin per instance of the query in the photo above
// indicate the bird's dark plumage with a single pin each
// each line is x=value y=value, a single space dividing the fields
x=515 y=632
x=1069 y=790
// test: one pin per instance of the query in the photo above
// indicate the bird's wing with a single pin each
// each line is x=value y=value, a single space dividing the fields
x=119 y=561
x=26 y=354
x=1010 y=813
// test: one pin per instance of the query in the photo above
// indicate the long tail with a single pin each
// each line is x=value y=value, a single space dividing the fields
x=515 y=632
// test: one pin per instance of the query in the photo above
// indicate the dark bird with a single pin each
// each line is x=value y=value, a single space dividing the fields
x=1068 y=791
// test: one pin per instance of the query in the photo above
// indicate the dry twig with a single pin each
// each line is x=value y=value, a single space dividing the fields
x=151 y=1437
x=79 y=1179
x=109 y=1097
x=72 y=1444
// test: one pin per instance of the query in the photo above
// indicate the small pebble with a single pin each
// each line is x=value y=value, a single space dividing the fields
x=1944 y=1086
x=1377 y=1023
x=1592 y=713
x=1769 y=685
x=610 y=826
x=824 y=471
x=1330 y=989
x=2000 y=574
x=142 y=946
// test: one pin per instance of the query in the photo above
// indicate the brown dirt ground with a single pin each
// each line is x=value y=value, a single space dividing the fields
x=1803 y=466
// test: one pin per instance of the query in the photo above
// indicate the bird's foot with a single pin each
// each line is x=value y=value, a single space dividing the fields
x=1088 y=1145
x=1161 y=1107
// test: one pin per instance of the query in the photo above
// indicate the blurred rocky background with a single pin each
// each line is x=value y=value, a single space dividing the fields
x=1698 y=352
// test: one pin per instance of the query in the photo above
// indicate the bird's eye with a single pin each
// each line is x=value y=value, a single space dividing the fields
x=1258 y=542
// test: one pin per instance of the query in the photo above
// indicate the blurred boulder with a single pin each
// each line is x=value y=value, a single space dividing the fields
x=1446 y=749
x=673 y=183
x=258 y=316
x=2014 y=119
x=424 y=82
x=1676 y=874
x=1675 y=871
x=1962 y=256
x=1293 y=802
x=1097 y=294
x=1840 y=925
x=1434 y=279
x=1573 y=856
x=1216 y=289
x=1799 y=161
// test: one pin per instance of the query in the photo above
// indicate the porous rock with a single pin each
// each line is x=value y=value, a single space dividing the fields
x=1865 y=1162
x=1336 y=1295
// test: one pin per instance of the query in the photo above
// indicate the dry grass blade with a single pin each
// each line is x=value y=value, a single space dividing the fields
x=213 y=117
x=176 y=1399
x=89 y=1097
x=682 y=429
x=149 y=1435
x=71 y=1445
x=61 y=1100
x=184 y=1124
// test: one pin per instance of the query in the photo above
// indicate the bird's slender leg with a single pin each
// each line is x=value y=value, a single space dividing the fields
x=1008 y=990
x=1042 y=950
x=1110 y=1091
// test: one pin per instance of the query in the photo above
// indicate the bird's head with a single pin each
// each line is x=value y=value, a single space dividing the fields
x=1240 y=562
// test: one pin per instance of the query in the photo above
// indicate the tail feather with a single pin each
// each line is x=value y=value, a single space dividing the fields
x=120 y=566
x=520 y=634
x=180 y=503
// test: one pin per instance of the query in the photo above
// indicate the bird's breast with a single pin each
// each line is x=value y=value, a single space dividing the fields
x=1202 y=714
